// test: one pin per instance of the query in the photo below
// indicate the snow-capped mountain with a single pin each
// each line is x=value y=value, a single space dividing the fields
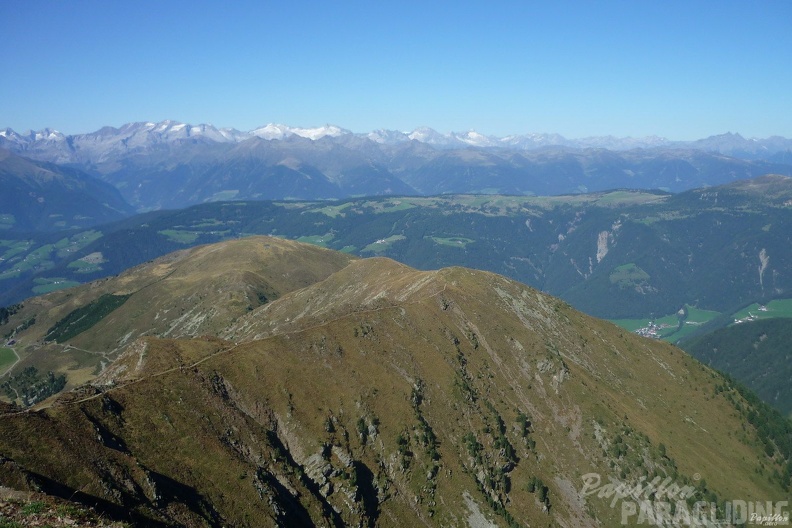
x=275 y=131
x=171 y=164
x=95 y=147
x=432 y=137
x=533 y=141
x=732 y=144
x=387 y=137
x=9 y=137
x=108 y=142
x=474 y=139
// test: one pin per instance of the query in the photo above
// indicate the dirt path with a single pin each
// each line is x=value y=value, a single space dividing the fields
x=224 y=351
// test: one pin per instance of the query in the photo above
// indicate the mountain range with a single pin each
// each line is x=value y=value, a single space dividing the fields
x=174 y=368
x=94 y=145
x=671 y=266
x=41 y=196
x=264 y=382
x=172 y=165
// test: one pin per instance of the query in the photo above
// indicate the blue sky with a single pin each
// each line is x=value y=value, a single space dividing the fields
x=682 y=70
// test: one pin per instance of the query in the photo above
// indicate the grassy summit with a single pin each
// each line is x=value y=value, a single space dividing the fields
x=367 y=393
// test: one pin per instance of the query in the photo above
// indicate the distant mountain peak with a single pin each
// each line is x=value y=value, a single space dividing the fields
x=473 y=138
x=172 y=130
x=277 y=131
x=431 y=136
x=387 y=136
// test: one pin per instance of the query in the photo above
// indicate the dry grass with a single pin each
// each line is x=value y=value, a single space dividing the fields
x=435 y=368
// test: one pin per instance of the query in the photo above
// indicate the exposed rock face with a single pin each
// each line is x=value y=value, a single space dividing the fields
x=764 y=260
x=602 y=245
x=378 y=395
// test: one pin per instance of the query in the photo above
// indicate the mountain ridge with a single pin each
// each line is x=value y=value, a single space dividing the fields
x=619 y=254
x=170 y=130
x=171 y=165
x=424 y=398
x=40 y=196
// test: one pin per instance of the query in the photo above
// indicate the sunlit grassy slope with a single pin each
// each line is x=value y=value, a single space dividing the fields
x=364 y=392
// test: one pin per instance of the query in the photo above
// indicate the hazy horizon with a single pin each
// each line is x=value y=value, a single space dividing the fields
x=626 y=69
x=363 y=132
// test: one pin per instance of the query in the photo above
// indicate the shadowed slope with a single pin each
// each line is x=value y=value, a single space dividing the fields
x=384 y=396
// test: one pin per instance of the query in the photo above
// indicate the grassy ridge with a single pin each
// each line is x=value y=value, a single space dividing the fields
x=618 y=254
x=362 y=392
x=396 y=397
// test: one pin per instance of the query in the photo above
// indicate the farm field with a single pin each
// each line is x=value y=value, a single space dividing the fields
x=7 y=358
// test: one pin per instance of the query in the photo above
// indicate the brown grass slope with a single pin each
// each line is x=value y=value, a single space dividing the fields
x=199 y=291
x=385 y=396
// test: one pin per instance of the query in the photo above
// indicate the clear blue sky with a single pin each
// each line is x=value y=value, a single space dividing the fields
x=682 y=70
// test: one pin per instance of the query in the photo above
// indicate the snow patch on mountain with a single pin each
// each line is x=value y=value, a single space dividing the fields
x=475 y=139
x=95 y=147
x=387 y=137
x=274 y=131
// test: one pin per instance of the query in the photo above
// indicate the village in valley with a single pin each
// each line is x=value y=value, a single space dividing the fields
x=676 y=326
